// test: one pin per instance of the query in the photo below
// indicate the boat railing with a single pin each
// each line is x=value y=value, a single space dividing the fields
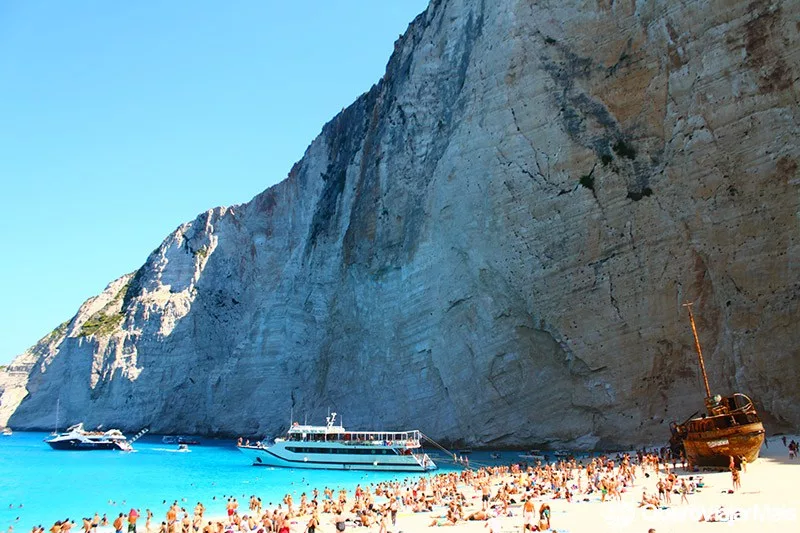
x=410 y=443
x=400 y=443
x=719 y=422
x=748 y=403
x=396 y=438
x=424 y=461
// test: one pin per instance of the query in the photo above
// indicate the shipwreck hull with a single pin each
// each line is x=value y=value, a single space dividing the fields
x=715 y=447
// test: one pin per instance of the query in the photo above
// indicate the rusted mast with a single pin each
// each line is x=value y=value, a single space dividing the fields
x=699 y=351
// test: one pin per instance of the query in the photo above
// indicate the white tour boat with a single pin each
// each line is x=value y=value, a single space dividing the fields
x=77 y=438
x=334 y=448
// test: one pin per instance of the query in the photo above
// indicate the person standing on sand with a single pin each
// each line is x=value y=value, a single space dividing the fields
x=544 y=516
x=172 y=520
x=486 y=493
x=528 y=513
x=382 y=523
x=684 y=490
x=186 y=524
x=118 y=523
x=661 y=490
x=393 y=510
x=736 y=478
x=313 y=523
x=133 y=516
x=229 y=510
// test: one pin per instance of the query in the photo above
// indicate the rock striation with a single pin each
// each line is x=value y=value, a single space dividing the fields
x=492 y=244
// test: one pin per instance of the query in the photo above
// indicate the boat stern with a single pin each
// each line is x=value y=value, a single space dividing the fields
x=710 y=449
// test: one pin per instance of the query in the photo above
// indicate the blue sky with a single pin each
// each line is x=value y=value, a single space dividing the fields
x=121 y=120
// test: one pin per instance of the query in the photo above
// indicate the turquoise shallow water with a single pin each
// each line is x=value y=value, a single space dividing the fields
x=53 y=485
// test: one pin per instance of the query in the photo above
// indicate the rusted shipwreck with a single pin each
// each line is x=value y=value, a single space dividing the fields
x=729 y=429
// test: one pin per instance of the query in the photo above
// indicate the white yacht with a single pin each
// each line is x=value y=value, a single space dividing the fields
x=332 y=447
x=77 y=438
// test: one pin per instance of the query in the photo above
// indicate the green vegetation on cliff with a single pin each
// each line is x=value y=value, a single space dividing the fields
x=101 y=324
x=105 y=322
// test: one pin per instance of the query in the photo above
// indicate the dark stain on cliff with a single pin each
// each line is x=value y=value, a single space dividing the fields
x=343 y=135
x=588 y=121
x=637 y=195
x=785 y=169
x=676 y=57
x=473 y=31
x=267 y=201
x=135 y=287
x=578 y=109
x=763 y=53
x=364 y=213
x=387 y=214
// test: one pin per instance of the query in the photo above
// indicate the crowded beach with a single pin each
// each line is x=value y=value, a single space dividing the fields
x=620 y=492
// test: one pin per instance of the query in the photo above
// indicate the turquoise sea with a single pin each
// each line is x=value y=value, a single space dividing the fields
x=39 y=485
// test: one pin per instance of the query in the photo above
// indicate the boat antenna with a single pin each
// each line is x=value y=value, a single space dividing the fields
x=688 y=306
x=58 y=407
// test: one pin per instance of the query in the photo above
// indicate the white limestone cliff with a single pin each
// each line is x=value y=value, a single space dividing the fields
x=492 y=245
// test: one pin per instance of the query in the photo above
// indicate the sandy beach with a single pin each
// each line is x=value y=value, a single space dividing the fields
x=766 y=501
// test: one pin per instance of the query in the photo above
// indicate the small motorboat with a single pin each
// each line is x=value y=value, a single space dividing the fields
x=179 y=439
x=534 y=455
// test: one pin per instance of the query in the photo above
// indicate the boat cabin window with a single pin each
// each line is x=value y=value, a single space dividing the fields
x=321 y=435
x=342 y=451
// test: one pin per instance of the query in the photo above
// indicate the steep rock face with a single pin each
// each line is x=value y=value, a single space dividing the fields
x=492 y=245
